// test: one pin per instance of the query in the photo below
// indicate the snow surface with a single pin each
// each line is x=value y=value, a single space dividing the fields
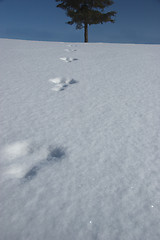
x=80 y=141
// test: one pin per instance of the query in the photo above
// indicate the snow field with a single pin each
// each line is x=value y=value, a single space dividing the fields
x=82 y=163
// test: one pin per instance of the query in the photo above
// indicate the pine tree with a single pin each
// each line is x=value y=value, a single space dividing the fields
x=87 y=12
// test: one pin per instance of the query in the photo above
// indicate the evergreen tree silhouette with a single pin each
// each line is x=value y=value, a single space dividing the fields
x=87 y=12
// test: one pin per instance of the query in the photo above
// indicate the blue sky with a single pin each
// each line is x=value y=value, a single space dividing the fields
x=137 y=21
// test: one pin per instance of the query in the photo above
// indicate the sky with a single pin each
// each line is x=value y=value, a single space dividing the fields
x=137 y=21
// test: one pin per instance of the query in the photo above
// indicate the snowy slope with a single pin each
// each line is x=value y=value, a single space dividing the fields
x=80 y=141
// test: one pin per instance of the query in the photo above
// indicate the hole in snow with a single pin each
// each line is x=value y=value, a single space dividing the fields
x=55 y=154
x=32 y=173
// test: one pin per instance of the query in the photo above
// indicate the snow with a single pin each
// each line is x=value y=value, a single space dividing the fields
x=82 y=163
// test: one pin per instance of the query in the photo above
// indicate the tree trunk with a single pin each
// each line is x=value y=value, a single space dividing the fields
x=86 y=32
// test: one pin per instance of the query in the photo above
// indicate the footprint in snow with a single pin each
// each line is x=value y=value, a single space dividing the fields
x=70 y=50
x=13 y=167
x=61 y=83
x=55 y=155
x=68 y=59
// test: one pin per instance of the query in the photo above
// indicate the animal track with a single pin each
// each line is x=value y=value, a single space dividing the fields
x=70 y=50
x=68 y=59
x=54 y=155
x=61 y=83
x=32 y=172
x=17 y=150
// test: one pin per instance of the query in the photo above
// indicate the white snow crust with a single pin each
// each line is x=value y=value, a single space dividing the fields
x=80 y=141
